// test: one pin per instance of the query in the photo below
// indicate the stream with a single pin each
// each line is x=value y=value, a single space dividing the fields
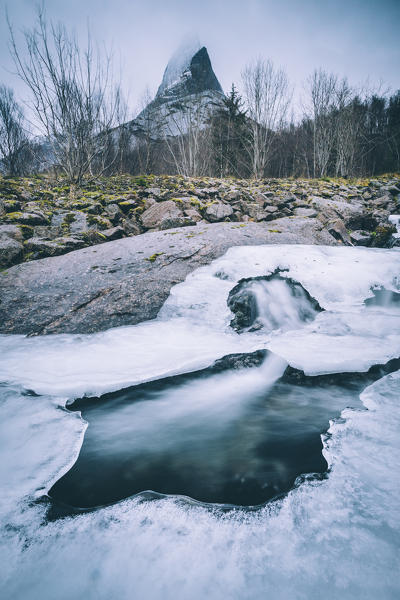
x=242 y=445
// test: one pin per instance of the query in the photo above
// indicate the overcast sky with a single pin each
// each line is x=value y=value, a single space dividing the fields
x=357 y=38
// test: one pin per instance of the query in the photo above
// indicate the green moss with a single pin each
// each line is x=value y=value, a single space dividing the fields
x=382 y=235
x=98 y=221
x=13 y=216
x=26 y=230
x=154 y=256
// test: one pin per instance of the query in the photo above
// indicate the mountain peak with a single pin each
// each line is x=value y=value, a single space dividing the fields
x=189 y=71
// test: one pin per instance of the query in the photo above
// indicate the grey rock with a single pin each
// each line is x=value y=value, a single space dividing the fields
x=171 y=222
x=362 y=222
x=74 y=220
x=153 y=216
x=233 y=195
x=153 y=191
x=218 y=211
x=11 y=231
x=240 y=361
x=256 y=212
x=112 y=284
x=113 y=213
x=149 y=202
x=338 y=230
x=37 y=218
x=127 y=205
x=130 y=227
x=11 y=251
x=381 y=201
x=47 y=232
x=115 y=233
x=305 y=212
x=394 y=190
x=12 y=205
x=97 y=223
x=360 y=238
x=193 y=214
x=41 y=248
x=344 y=210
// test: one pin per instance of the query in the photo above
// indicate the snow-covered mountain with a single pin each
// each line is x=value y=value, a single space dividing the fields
x=188 y=94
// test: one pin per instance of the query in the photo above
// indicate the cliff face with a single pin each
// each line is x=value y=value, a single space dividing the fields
x=189 y=91
x=196 y=76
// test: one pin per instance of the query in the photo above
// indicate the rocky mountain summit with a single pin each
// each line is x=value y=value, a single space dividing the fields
x=189 y=85
x=41 y=218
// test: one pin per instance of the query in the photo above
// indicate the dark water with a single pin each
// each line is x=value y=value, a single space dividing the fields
x=383 y=297
x=231 y=438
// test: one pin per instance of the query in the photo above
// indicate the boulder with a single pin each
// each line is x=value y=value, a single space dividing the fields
x=382 y=201
x=338 y=230
x=114 y=233
x=171 y=222
x=218 y=211
x=113 y=213
x=255 y=211
x=127 y=205
x=149 y=202
x=360 y=238
x=12 y=205
x=362 y=222
x=304 y=212
x=47 y=232
x=153 y=191
x=156 y=214
x=37 y=218
x=73 y=221
x=40 y=248
x=193 y=214
x=345 y=210
x=11 y=251
x=84 y=292
x=11 y=231
x=130 y=227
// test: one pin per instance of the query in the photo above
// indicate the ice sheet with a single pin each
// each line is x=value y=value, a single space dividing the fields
x=336 y=538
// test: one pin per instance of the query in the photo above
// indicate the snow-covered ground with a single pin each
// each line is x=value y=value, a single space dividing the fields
x=336 y=538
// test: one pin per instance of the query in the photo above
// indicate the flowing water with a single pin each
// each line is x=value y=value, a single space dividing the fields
x=276 y=480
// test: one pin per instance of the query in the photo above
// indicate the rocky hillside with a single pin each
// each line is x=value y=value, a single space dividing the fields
x=41 y=218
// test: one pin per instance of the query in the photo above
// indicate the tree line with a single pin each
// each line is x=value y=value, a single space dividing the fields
x=79 y=108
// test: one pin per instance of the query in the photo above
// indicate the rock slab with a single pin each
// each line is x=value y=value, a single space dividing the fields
x=126 y=281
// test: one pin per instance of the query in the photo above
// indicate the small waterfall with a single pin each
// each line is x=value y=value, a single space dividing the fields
x=271 y=303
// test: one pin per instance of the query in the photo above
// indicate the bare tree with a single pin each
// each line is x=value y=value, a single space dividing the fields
x=322 y=88
x=148 y=135
x=348 y=123
x=13 y=137
x=187 y=135
x=267 y=98
x=74 y=101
